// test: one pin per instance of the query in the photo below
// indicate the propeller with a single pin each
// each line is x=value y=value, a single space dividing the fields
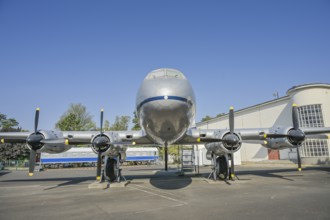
x=295 y=135
x=100 y=142
x=34 y=141
x=231 y=140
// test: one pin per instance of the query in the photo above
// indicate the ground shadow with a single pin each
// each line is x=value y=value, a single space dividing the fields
x=281 y=173
x=2 y=173
x=67 y=181
x=170 y=181
x=161 y=179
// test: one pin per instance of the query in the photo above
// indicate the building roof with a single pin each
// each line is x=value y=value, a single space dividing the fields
x=308 y=86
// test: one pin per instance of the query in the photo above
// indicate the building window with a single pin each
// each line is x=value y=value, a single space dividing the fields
x=314 y=148
x=310 y=116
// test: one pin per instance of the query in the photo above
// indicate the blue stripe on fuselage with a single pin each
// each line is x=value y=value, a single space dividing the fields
x=156 y=98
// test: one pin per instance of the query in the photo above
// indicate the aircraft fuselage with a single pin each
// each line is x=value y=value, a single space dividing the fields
x=165 y=105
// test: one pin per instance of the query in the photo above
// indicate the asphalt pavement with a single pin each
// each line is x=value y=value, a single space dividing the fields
x=262 y=192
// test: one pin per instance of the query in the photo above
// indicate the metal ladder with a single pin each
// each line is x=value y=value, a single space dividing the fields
x=188 y=160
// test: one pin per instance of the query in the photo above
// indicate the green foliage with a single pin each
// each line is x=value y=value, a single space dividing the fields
x=7 y=124
x=11 y=151
x=219 y=115
x=206 y=118
x=14 y=152
x=173 y=150
x=106 y=126
x=76 y=118
x=136 y=122
x=120 y=124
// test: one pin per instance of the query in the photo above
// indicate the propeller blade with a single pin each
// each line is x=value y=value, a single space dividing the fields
x=275 y=135
x=295 y=119
x=298 y=159
x=101 y=121
x=232 y=167
x=36 y=120
x=231 y=120
x=32 y=162
x=208 y=140
x=99 y=166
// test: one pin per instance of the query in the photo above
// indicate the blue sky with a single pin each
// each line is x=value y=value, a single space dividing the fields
x=235 y=53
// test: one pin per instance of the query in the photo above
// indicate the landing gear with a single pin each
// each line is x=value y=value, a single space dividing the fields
x=113 y=170
x=166 y=155
x=222 y=162
x=220 y=167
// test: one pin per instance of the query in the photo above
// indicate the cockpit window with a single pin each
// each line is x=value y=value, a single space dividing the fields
x=165 y=73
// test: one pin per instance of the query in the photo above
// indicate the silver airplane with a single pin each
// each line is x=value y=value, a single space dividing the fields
x=166 y=107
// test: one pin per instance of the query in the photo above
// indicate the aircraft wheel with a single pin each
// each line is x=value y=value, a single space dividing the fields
x=222 y=167
x=111 y=169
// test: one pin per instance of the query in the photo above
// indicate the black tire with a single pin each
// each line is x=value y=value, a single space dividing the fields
x=111 y=169
x=222 y=167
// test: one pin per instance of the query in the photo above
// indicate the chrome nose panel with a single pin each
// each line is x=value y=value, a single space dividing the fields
x=166 y=120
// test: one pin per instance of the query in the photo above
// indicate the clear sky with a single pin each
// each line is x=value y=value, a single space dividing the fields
x=235 y=52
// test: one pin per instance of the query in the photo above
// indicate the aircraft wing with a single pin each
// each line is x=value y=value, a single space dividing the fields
x=249 y=135
x=79 y=137
x=14 y=137
x=115 y=137
x=57 y=142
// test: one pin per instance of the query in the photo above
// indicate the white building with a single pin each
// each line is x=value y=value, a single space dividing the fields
x=313 y=102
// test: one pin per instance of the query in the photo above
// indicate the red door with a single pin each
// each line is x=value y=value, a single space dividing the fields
x=273 y=154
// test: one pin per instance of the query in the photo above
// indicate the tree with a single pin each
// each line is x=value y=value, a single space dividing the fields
x=106 y=126
x=172 y=150
x=76 y=118
x=120 y=124
x=219 y=115
x=206 y=118
x=11 y=151
x=136 y=122
x=7 y=124
x=14 y=152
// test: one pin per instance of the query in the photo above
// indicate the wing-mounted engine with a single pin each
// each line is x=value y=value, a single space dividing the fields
x=230 y=142
x=286 y=137
x=108 y=145
x=283 y=137
x=44 y=141
x=47 y=141
x=101 y=143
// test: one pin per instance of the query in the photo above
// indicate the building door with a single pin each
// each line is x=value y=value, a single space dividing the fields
x=273 y=154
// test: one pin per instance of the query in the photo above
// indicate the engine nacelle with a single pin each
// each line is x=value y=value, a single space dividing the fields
x=110 y=150
x=221 y=148
x=102 y=149
x=51 y=148
x=279 y=143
